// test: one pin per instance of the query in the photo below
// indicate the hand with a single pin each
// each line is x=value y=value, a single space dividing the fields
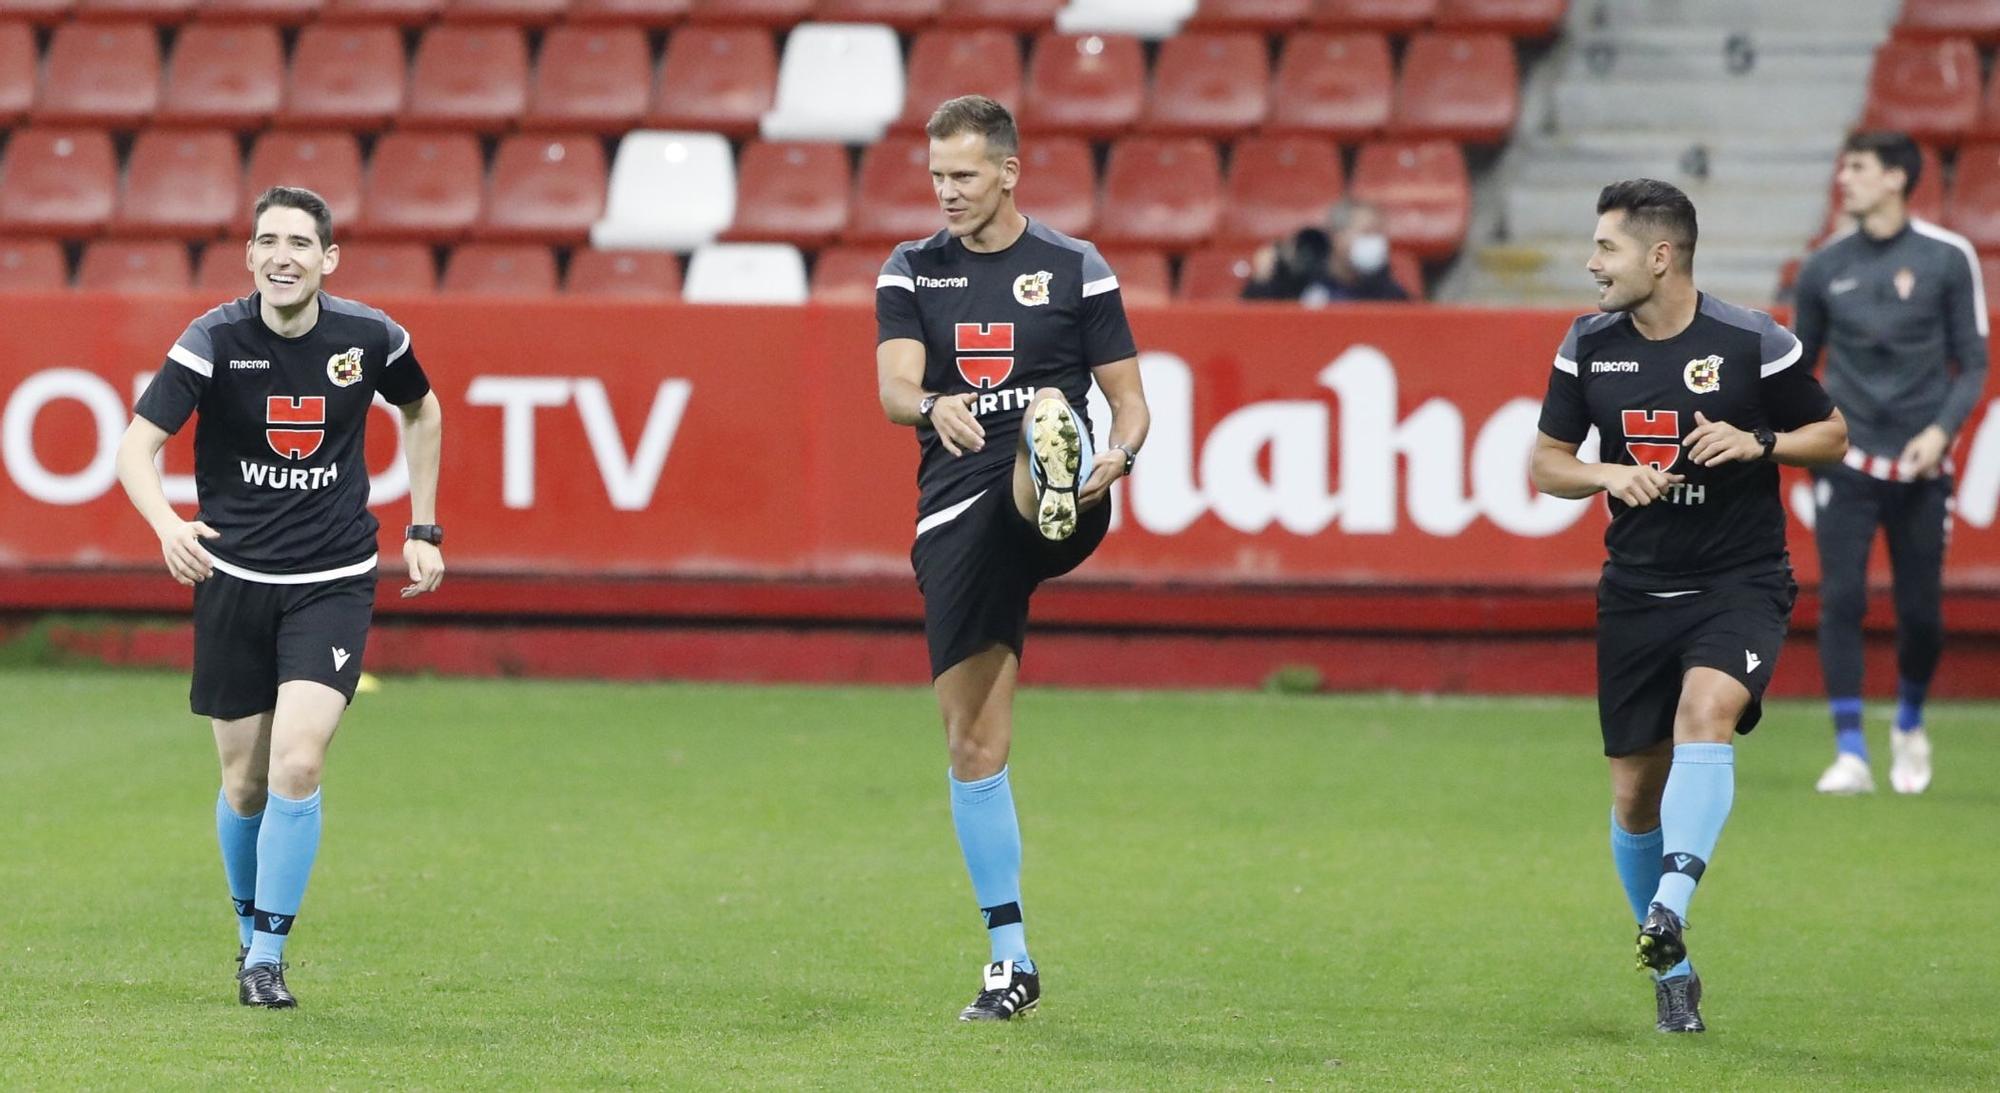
x=1637 y=486
x=426 y=564
x=1108 y=467
x=1714 y=443
x=180 y=545
x=956 y=425
x=1923 y=453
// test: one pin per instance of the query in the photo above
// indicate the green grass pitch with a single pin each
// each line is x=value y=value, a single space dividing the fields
x=530 y=885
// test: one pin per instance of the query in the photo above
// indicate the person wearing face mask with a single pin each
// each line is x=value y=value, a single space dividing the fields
x=1346 y=260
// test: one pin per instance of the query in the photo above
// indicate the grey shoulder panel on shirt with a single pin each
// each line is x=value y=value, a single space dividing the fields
x=1778 y=348
x=199 y=337
x=1095 y=269
x=897 y=269
x=399 y=338
x=1580 y=327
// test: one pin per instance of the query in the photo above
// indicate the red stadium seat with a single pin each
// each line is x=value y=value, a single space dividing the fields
x=1059 y=184
x=422 y=186
x=1929 y=90
x=1392 y=16
x=18 y=61
x=1089 y=85
x=846 y=275
x=1514 y=18
x=1019 y=16
x=100 y=74
x=32 y=265
x=155 y=12
x=1214 y=274
x=345 y=77
x=1264 y=16
x=1975 y=195
x=786 y=193
x=1462 y=87
x=400 y=12
x=37 y=12
x=893 y=200
x=1209 y=84
x=1278 y=185
x=716 y=79
x=180 y=184
x=903 y=15
x=1144 y=278
x=638 y=13
x=1332 y=85
x=945 y=64
x=60 y=182
x=1423 y=192
x=468 y=78
x=231 y=76
x=770 y=13
x=1927 y=202
x=221 y=271
x=501 y=269
x=329 y=164
x=545 y=190
x=630 y=274
x=279 y=13
x=368 y=270
x=1975 y=19
x=1161 y=192
x=1988 y=125
x=129 y=267
x=516 y=13
x=593 y=79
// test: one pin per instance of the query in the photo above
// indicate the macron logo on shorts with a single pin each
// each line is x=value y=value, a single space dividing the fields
x=339 y=659
x=1751 y=662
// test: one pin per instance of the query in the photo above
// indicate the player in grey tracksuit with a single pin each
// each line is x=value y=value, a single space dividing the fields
x=1900 y=309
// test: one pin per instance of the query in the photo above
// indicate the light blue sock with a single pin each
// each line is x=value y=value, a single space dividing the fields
x=238 y=836
x=1638 y=860
x=1910 y=704
x=1700 y=788
x=285 y=850
x=1847 y=736
x=990 y=837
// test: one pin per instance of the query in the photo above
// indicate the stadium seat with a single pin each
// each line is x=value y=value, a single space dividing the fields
x=638 y=13
x=1058 y=185
x=716 y=79
x=59 y=182
x=1089 y=85
x=1514 y=18
x=1975 y=196
x=1975 y=19
x=371 y=269
x=544 y=189
x=1407 y=270
x=1019 y=16
x=100 y=74
x=154 y=12
x=1421 y=188
x=838 y=81
x=791 y=193
x=669 y=191
x=39 y=12
x=1144 y=277
x=947 y=63
x=32 y=265
x=329 y=164
x=770 y=13
x=513 y=13
x=1929 y=90
x=893 y=199
x=1161 y=192
x=1332 y=85
x=1278 y=185
x=185 y=185
x=631 y=274
x=1390 y=16
x=400 y=12
x=903 y=15
x=591 y=79
x=1264 y=16
x=345 y=77
x=1152 y=19
x=1213 y=85
x=230 y=76
x=846 y=275
x=1215 y=274
x=18 y=61
x=422 y=186
x=468 y=77
x=221 y=272
x=1987 y=127
x=1462 y=87
x=276 y=13
x=746 y=273
x=130 y=267
x=500 y=269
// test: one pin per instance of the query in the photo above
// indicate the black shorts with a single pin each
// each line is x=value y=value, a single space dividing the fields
x=977 y=570
x=250 y=636
x=1646 y=643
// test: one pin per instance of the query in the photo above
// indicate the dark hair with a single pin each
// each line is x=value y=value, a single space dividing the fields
x=1895 y=151
x=294 y=197
x=1654 y=210
x=976 y=114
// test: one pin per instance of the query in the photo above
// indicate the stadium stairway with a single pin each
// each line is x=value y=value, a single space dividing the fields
x=1742 y=105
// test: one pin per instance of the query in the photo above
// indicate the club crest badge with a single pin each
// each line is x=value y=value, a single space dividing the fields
x=344 y=369
x=1032 y=289
x=1905 y=282
x=1704 y=376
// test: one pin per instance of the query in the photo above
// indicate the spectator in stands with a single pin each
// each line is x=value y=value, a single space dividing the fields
x=1348 y=259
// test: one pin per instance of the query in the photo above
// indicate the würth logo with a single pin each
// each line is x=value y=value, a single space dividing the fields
x=1653 y=437
x=295 y=443
x=985 y=372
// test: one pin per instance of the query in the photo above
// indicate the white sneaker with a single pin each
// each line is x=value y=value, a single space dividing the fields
x=1911 y=772
x=1848 y=775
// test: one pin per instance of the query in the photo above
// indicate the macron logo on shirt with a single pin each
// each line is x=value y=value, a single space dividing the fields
x=943 y=282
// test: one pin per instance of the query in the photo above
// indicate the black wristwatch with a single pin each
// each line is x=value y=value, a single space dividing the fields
x=926 y=405
x=428 y=533
x=1768 y=439
x=1131 y=456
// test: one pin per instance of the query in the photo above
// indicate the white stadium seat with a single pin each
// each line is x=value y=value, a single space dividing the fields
x=669 y=191
x=1140 y=18
x=746 y=273
x=838 y=81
